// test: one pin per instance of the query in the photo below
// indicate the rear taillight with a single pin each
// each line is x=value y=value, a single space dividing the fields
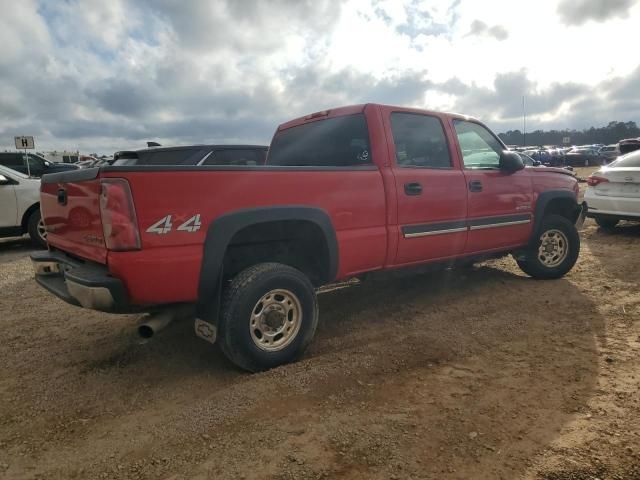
x=119 y=222
x=594 y=181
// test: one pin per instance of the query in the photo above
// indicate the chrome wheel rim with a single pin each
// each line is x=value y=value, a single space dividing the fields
x=42 y=231
x=553 y=249
x=275 y=320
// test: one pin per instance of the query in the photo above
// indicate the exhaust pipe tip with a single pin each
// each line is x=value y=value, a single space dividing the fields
x=157 y=321
x=145 y=331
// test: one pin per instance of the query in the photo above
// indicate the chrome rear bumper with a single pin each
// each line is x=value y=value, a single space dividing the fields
x=79 y=283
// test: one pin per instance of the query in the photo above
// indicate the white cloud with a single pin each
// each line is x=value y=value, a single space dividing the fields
x=103 y=76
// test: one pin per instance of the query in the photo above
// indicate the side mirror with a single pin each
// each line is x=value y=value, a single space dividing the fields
x=510 y=162
x=4 y=180
x=47 y=163
x=537 y=163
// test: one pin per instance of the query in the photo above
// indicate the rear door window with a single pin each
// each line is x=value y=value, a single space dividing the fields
x=419 y=141
x=12 y=160
x=333 y=142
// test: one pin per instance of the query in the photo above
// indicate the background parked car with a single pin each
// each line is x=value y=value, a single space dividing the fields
x=62 y=156
x=539 y=155
x=609 y=152
x=96 y=162
x=37 y=166
x=584 y=157
x=613 y=192
x=195 y=155
x=557 y=156
x=20 y=206
x=629 y=145
x=528 y=161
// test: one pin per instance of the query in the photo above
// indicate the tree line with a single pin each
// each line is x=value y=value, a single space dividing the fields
x=612 y=133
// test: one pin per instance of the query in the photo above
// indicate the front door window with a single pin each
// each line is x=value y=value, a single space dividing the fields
x=480 y=149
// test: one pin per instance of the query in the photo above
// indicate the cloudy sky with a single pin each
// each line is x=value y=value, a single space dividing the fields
x=100 y=75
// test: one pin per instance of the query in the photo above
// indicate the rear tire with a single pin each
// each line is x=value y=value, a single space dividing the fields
x=269 y=316
x=606 y=223
x=35 y=227
x=555 y=250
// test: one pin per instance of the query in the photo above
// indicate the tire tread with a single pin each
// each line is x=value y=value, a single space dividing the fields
x=530 y=264
x=231 y=298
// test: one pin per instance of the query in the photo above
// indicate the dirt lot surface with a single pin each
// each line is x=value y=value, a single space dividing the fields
x=480 y=373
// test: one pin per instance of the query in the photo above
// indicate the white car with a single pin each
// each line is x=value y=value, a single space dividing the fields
x=20 y=206
x=613 y=192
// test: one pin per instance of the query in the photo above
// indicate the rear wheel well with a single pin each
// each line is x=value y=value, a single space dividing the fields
x=25 y=217
x=300 y=244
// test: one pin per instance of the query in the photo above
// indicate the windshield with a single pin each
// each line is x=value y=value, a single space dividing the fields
x=630 y=160
x=35 y=160
x=10 y=171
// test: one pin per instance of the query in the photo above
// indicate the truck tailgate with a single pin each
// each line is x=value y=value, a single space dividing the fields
x=70 y=206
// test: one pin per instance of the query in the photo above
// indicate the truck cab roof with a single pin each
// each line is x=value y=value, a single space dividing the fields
x=359 y=108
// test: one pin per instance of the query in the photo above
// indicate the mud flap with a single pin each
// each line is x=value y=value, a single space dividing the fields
x=205 y=330
x=581 y=216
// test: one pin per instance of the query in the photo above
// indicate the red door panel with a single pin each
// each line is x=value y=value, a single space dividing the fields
x=431 y=224
x=499 y=202
x=499 y=215
x=430 y=187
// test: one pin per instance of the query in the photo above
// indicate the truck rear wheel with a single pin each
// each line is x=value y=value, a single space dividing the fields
x=555 y=251
x=269 y=316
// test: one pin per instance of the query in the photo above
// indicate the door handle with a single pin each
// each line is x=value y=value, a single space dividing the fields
x=475 y=186
x=414 y=188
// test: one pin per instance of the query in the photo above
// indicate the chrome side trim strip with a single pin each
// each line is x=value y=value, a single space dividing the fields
x=495 y=225
x=435 y=232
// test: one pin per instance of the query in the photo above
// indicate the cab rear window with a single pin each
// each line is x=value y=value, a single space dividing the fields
x=333 y=142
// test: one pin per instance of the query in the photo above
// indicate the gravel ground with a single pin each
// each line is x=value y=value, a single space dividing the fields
x=477 y=373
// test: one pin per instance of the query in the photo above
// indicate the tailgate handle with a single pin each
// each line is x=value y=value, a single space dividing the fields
x=62 y=196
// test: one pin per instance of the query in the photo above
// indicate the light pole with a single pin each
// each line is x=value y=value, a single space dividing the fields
x=524 y=124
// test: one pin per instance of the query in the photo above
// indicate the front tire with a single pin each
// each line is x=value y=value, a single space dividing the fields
x=554 y=252
x=607 y=223
x=37 y=232
x=269 y=316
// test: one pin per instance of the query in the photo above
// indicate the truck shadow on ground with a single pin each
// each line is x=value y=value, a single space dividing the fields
x=615 y=251
x=442 y=355
x=623 y=229
x=12 y=248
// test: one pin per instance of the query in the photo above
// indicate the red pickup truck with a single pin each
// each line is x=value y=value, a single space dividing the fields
x=344 y=191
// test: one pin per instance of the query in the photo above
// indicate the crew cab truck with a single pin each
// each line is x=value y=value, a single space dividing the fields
x=345 y=191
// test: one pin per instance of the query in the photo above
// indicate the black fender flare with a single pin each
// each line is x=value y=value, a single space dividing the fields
x=541 y=204
x=221 y=231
